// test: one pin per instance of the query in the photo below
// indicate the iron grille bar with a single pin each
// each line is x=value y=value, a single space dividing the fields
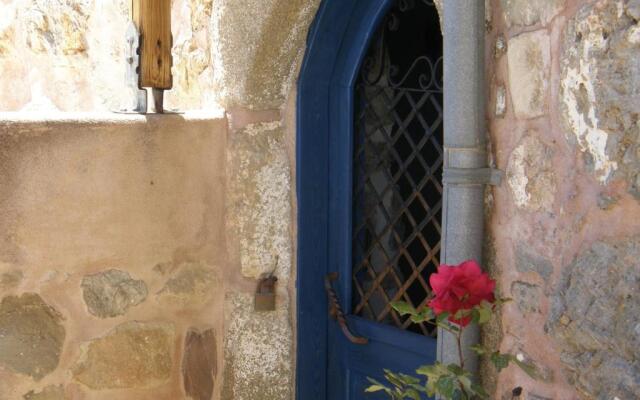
x=397 y=183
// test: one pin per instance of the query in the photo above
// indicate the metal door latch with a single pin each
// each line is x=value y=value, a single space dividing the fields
x=335 y=311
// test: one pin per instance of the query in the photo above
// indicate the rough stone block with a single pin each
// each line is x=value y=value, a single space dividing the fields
x=259 y=205
x=527 y=261
x=199 y=364
x=527 y=296
x=596 y=319
x=529 y=57
x=633 y=9
x=188 y=283
x=600 y=90
x=133 y=355
x=530 y=175
x=51 y=392
x=192 y=60
x=111 y=293
x=527 y=12
x=257 y=353
x=31 y=335
x=11 y=279
x=500 y=47
x=501 y=101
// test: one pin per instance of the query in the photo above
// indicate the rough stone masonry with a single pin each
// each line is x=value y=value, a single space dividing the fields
x=596 y=316
x=564 y=124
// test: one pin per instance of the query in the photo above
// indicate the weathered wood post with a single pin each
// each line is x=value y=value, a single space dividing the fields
x=153 y=21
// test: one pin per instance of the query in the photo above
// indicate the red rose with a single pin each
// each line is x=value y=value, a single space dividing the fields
x=460 y=287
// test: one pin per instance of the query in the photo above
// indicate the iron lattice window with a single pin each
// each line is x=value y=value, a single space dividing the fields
x=398 y=160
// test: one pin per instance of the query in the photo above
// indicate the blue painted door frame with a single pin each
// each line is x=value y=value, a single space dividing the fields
x=337 y=43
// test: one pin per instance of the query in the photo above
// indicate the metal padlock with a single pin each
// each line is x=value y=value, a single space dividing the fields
x=266 y=294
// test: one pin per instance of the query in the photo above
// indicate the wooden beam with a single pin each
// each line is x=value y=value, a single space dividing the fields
x=153 y=19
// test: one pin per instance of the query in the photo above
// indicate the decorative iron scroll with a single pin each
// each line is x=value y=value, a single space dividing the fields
x=398 y=160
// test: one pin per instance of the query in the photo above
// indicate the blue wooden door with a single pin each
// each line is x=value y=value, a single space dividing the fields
x=369 y=192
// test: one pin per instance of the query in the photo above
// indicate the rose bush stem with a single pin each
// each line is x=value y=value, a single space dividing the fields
x=459 y=343
x=459 y=340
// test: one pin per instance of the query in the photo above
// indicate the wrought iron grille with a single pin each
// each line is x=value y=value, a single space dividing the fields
x=398 y=159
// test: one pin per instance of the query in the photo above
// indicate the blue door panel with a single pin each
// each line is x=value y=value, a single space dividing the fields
x=328 y=366
x=358 y=383
x=390 y=348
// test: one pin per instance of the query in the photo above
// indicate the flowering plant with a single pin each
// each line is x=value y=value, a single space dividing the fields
x=462 y=295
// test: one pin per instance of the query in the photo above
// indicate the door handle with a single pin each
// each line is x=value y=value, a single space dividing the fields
x=335 y=311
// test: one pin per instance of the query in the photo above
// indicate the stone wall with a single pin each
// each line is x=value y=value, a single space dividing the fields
x=136 y=244
x=130 y=247
x=258 y=51
x=563 y=231
x=112 y=256
x=69 y=55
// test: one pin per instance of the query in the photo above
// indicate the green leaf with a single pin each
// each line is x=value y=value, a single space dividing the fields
x=403 y=308
x=442 y=317
x=427 y=370
x=426 y=314
x=503 y=300
x=445 y=386
x=479 y=349
x=434 y=370
x=408 y=379
x=484 y=312
x=457 y=395
x=375 y=387
x=475 y=315
x=529 y=369
x=500 y=361
x=413 y=394
x=479 y=391
x=393 y=378
x=455 y=369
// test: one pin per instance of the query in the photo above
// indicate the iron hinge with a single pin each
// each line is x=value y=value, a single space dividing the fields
x=136 y=97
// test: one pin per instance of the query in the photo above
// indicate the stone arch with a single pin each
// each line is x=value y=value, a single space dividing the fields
x=257 y=50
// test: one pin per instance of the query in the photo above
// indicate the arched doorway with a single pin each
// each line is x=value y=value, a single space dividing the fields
x=369 y=162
